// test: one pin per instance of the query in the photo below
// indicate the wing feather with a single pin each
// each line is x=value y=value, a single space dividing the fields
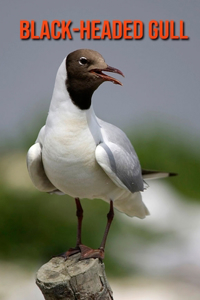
x=116 y=155
x=151 y=174
x=36 y=169
x=122 y=167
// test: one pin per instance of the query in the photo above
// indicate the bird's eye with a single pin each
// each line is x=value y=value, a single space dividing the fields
x=83 y=61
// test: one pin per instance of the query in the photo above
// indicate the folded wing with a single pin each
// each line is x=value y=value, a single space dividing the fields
x=117 y=157
x=36 y=169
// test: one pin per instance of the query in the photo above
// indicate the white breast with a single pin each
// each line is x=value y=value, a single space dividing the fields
x=69 y=152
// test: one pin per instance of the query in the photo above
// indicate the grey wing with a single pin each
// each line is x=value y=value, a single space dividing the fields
x=116 y=155
x=36 y=168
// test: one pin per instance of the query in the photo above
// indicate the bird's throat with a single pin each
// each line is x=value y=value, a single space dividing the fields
x=82 y=98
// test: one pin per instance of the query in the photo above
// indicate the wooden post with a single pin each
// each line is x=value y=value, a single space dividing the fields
x=74 y=279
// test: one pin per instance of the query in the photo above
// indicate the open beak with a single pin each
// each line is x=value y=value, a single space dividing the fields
x=99 y=73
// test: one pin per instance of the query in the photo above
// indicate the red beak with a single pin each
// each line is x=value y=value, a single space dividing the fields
x=105 y=77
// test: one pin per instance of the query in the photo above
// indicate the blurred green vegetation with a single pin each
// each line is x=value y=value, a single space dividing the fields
x=35 y=226
x=172 y=151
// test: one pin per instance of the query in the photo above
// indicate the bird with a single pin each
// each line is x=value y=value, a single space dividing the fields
x=78 y=154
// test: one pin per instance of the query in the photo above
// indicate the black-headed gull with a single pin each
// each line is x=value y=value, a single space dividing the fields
x=80 y=155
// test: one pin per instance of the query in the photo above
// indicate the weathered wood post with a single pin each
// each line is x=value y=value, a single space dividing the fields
x=71 y=279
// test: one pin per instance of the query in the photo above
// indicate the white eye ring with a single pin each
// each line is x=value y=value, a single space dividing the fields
x=83 y=61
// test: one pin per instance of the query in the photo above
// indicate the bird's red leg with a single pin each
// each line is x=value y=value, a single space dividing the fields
x=79 y=214
x=87 y=252
x=110 y=217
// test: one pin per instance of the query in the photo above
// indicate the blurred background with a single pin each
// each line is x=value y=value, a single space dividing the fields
x=158 y=107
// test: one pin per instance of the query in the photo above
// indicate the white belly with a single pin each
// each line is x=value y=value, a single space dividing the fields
x=70 y=164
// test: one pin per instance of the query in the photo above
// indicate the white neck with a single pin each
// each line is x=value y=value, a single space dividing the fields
x=63 y=110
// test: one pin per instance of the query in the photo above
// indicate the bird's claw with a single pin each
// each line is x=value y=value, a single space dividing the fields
x=87 y=252
x=70 y=252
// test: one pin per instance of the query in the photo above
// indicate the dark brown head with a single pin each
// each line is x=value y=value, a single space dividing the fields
x=84 y=75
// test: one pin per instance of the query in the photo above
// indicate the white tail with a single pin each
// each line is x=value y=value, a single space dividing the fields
x=132 y=205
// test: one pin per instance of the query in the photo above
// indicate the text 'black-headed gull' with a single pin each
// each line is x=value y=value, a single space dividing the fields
x=80 y=155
